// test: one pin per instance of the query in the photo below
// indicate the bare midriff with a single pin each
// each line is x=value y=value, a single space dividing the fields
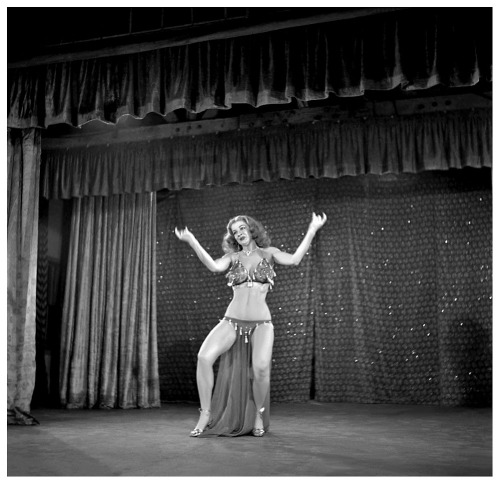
x=249 y=303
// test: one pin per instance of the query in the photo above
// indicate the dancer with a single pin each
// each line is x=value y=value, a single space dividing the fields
x=239 y=403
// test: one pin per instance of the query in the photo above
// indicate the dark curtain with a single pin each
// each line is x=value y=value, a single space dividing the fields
x=108 y=333
x=331 y=149
x=392 y=304
x=415 y=48
x=23 y=167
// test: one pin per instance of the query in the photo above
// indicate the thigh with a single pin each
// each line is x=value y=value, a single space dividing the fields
x=262 y=345
x=218 y=341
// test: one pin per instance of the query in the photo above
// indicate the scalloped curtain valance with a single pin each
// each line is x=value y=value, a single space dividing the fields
x=436 y=141
x=416 y=48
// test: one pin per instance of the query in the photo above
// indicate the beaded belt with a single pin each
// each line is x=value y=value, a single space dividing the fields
x=245 y=327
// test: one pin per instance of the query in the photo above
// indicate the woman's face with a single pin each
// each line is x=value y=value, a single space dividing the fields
x=241 y=233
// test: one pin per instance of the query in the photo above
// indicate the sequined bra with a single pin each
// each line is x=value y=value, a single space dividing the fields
x=239 y=274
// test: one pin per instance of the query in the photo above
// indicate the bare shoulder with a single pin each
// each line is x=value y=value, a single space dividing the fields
x=232 y=256
x=270 y=251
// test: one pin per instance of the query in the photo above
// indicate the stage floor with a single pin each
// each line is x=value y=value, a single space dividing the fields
x=310 y=439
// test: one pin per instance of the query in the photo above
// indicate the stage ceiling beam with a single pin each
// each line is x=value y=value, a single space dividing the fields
x=193 y=35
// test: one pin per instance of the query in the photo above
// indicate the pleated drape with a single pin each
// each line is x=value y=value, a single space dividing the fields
x=330 y=149
x=412 y=49
x=23 y=164
x=108 y=334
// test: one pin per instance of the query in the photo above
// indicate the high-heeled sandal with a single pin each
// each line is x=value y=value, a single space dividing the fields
x=197 y=431
x=259 y=432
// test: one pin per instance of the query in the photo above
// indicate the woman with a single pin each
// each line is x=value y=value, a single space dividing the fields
x=244 y=337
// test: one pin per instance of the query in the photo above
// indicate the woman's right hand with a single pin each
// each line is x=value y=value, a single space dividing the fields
x=317 y=222
x=184 y=234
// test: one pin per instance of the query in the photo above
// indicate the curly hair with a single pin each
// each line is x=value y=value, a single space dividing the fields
x=257 y=230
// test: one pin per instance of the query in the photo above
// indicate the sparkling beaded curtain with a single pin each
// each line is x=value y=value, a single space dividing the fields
x=391 y=305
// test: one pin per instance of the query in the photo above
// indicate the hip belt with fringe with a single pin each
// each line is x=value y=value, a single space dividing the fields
x=244 y=326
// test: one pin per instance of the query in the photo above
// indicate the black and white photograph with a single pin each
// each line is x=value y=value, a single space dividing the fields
x=249 y=241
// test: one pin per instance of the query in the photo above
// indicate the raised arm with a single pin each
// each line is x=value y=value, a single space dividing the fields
x=294 y=259
x=218 y=265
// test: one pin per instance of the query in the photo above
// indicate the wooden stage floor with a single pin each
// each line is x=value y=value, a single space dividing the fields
x=310 y=439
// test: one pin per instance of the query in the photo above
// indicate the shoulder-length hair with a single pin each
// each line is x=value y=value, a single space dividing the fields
x=257 y=230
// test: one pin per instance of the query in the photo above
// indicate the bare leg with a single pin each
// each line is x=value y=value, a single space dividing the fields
x=218 y=341
x=262 y=342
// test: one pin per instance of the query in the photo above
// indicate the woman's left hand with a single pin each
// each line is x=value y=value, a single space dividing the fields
x=317 y=222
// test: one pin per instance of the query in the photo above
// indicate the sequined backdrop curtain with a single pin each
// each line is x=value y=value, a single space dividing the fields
x=391 y=305
x=23 y=166
x=108 y=334
x=415 y=48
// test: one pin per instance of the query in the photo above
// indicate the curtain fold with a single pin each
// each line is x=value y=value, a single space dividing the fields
x=108 y=336
x=412 y=49
x=330 y=149
x=23 y=165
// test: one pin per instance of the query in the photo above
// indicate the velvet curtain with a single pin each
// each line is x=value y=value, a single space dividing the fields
x=23 y=168
x=331 y=149
x=108 y=335
x=416 y=48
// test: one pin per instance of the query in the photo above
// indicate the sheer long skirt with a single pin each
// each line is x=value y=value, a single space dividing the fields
x=233 y=408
